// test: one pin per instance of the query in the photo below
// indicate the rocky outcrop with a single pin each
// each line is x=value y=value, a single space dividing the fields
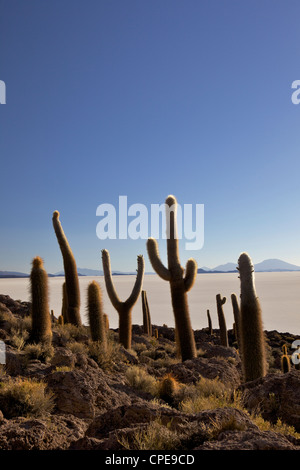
x=275 y=396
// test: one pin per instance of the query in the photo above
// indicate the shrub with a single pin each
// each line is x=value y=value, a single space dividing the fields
x=41 y=351
x=25 y=397
x=154 y=436
x=139 y=379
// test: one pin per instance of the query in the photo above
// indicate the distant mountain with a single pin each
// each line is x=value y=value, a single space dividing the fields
x=268 y=265
x=12 y=274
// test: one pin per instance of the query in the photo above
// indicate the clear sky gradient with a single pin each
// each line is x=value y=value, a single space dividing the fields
x=145 y=99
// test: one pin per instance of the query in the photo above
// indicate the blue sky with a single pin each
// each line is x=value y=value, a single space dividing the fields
x=145 y=99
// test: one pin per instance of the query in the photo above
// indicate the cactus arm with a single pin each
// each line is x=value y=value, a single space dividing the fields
x=109 y=282
x=138 y=282
x=153 y=253
x=190 y=274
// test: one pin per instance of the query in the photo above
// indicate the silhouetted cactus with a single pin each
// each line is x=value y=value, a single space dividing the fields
x=222 y=322
x=237 y=318
x=124 y=309
x=156 y=333
x=251 y=328
x=95 y=313
x=285 y=363
x=179 y=285
x=41 y=321
x=146 y=314
x=61 y=320
x=210 y=328
x=71 y=275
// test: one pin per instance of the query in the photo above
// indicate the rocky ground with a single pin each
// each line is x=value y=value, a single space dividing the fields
x=75 y=396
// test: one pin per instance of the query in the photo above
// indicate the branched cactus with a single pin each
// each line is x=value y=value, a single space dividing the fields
x=146 y=314
x=71 y=275
x=41 y=321
x=237 y=318
x=124 y=309
x=222 y=322
x=179 y=284
x=251 y=327
x=95 y=313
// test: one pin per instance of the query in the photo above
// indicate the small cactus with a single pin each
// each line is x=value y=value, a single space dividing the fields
x=61 y=320
x=222 y=322
x=284 y=349
x=285 y=363
x=71 y=275
x=41 y=321
x=237 y=318
x=156 y=333
x=95 y=313
x=253 y=352
x=124 y=309
x=167 y=388
x=179 y=284
x=210 y=328
x=146 y=314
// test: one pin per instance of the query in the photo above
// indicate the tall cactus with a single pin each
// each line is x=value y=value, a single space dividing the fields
x=71 y=275
x=252 y=334
x=41 y=321
x=124 y=309
x=95 y=313
x=222 y=322
x=179 y=284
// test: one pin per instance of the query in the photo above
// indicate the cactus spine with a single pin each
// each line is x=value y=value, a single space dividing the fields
x=41 y=320
x=71 y=275
x=179 y=285
x=124 y=309
x=251 y=330
x=95 y=313
x=237 y=318
x=222 y=322
x=146 y=314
